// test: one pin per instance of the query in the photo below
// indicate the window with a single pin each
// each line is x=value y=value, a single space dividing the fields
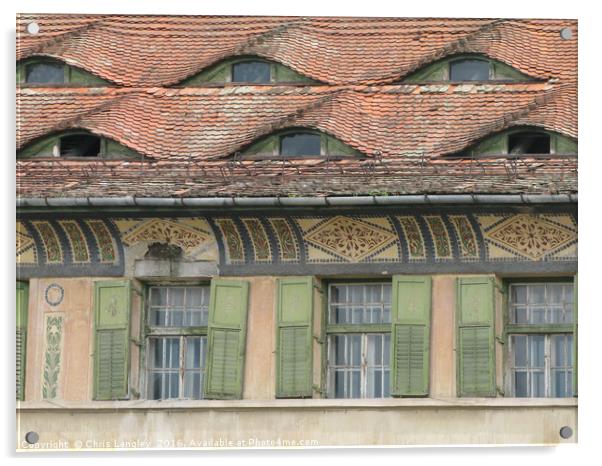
x=359 y=340
x=299 y=144
x=45 y=73
x=251 y=72
x=79 y=145
x=469 y=70
x=528 y=143
x=177 y=342
x=540 y=339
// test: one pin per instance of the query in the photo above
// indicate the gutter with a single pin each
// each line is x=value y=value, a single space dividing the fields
x=329 y=201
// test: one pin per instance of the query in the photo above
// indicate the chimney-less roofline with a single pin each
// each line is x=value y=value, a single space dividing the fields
x=329 y=201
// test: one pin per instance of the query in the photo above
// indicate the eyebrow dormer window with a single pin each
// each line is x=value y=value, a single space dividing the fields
x=469 y=70
x=45 y=73
x=300 y=144
x=528 y=143
x=252 y=71
x=79 y=145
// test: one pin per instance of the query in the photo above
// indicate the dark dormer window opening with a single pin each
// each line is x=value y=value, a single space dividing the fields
x=469 y=69
x=251 y=71
x=300 y=144
x=529 y=143
x=45 y=73
x=79 y=145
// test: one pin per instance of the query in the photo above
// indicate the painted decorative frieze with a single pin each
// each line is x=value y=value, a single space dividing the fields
x=52 y=356
x=348 y=238
x=531 y=236
x=288 y=248
x=232 y=240
x=431 y=241
x=25 y=246
x=259 y=238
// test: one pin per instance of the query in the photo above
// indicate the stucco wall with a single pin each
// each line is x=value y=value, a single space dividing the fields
x=441 y=418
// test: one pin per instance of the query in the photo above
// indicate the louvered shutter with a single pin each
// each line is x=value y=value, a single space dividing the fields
x=111 y=345
x=575 y=327
x=294 y=338
x=227 y=334
x=411 y=321
x=22 y=298
x=475 y=333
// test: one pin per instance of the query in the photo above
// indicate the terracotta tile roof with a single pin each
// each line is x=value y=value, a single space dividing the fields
x=190 y=135
x=164 y=50
x=210 y=123
x=308 y=178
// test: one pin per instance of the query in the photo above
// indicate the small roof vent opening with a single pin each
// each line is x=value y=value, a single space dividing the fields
x=33 y=28
x=80 y=145
x=528 y=143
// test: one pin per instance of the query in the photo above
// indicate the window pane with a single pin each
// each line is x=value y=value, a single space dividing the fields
x=79 y=145
x=519 y=343
x=179 y=306
x=251 y=72
x=537 y=353
x=519 y=294
x=360 y=304
x=528 y=143
x=45 y=73
x=543 y=303
x=164 y=378
x=559 y=383
x=520 y=384
x=300 y=144
x=469 y=70
x=537 y=384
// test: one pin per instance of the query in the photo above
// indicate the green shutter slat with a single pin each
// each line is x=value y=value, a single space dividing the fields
x=411 y=318
x=475 y=334
x=22 y=299
x=575 y=346
x=227 y=335
x=111 y=354
x=410 y=362
x=294 y=312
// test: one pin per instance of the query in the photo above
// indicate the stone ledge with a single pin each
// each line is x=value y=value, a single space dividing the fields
x=401 y=403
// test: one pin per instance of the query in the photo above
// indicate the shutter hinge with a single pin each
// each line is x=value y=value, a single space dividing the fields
x=318 y=389
x=499 y=391
x=136 y=342
x=319 y=288
x=498 y=287
x=318 y=339
x=500 y=340
x=135 y=393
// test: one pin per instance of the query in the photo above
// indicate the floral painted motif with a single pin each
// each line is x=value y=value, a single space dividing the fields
x=79 y=247
x=52 y=246
x=233 y=240
x=530 y=235
x=104 y=240
x=24 y=240
x=466 y=235
x=413 y=237
x=350 y=238
x=52 y=358
x=167 y=231
x=440 y=237
x=259 y=238
x=286 y=240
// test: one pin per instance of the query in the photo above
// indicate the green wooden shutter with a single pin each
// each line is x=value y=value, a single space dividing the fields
x=411 y=320
x=475 y=334
x=22 y=298
x=111 y=345
x=575 y=326
x=294 y=337
x=227 y=333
